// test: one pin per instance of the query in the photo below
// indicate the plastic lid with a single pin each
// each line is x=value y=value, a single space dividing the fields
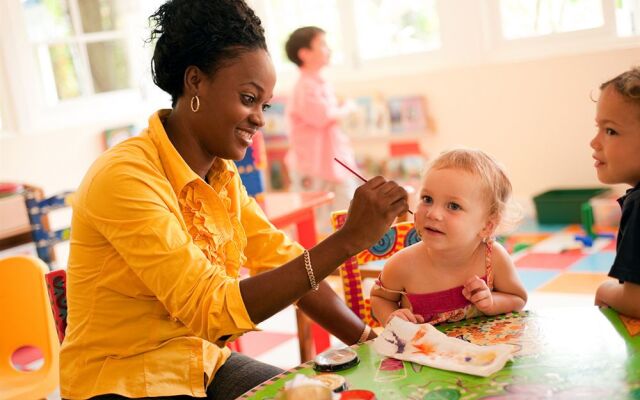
x=336 y=360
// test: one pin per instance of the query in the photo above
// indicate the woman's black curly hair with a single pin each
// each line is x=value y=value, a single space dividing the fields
x=204 y=33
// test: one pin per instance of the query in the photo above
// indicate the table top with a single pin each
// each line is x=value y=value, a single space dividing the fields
x=281 y=207
x=564 y=353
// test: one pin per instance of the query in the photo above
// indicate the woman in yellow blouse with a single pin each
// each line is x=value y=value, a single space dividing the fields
x=161 y=225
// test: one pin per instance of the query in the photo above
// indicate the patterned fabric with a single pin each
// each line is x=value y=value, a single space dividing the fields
x=57 y=286
x=448 y=305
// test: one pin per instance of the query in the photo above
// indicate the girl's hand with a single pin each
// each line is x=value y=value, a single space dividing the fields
x=476 y=291
x=406 y=315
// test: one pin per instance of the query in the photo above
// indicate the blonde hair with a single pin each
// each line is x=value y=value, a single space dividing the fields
x=491 y=174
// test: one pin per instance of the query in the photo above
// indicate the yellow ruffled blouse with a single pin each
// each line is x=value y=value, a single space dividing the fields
x=152 y=279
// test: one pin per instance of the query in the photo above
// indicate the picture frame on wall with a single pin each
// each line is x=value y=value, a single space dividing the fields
x=113 y=136
x=408 y=114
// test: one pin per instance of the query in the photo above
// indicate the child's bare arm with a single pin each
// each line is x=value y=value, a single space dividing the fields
x=622 y=297
x=508 y=292
x=385 y=303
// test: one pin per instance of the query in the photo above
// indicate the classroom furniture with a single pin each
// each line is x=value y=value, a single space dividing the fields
x=27 y=323
x=285 y=209
x=563 y=353
x=43 y=236
x=57 y=288
x=399 y=236
x=563 y=206
x=24 y=219
x=15 y=228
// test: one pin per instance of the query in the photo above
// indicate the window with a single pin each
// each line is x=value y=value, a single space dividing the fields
x=627 y=17
x=72 y=63
x=79 y=62
x=395 y=27
x=80 y=46
x=281 y=17
x=526 y=18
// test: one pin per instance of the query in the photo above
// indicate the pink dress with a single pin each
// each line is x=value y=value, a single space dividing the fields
x=448 y=305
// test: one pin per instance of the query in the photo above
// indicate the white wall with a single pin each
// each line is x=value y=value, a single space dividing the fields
x=55 y=161
x=534 y=116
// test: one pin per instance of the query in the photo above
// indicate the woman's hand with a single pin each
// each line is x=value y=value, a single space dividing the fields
x=373 y=209
x=405 y=314
x=476 y=291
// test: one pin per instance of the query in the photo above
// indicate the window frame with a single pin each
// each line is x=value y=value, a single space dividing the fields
x=594 y=39
x=32 y=114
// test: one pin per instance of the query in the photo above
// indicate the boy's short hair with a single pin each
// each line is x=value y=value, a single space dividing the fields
x=627 y=84
x=300 y=39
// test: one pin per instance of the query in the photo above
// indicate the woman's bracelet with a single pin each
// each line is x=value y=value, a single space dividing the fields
x=307 y=265
x=365 y=334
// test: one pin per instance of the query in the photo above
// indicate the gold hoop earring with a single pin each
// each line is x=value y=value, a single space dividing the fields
x=195 y=99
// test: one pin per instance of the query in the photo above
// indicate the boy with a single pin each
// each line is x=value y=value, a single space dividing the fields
x=313 y=115
x=617 y=153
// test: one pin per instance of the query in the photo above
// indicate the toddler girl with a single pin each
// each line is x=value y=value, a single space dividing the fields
x=457 y=270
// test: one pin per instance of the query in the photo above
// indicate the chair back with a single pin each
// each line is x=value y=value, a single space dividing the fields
x=43 y=236
x=399 y=236
x=27 y=323
x=57 y=287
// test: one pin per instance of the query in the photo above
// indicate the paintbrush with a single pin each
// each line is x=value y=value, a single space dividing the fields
x=363 y=179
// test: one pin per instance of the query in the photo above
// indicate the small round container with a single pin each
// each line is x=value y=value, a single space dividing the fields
x=335 y=382
x=336 y=360
x=357 y=395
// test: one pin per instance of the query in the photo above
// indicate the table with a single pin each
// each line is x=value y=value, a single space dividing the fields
x=289 y=208
x=564 y=353
x=15 y=227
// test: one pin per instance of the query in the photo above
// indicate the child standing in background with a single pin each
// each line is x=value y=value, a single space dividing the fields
x=456 y=271
x=314 y=114
x=617 y=153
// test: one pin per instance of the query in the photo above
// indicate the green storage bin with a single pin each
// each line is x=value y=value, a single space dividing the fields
x=562 y=206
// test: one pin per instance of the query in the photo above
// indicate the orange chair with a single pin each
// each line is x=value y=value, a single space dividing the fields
x=399 y=236
x=27 y=322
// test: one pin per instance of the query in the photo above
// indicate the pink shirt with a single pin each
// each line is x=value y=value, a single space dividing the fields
x=313 y=116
